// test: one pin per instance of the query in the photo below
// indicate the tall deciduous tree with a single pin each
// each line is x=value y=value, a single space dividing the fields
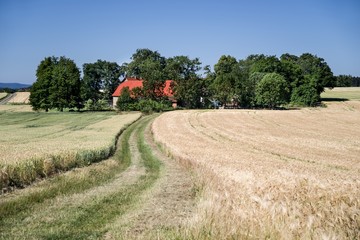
x=225 y=79
x=263 y=63
x=100 y=80
x=150 y=66
x=65 y=90
x=317 y=69
x=57 y=85
x=40 y=91
x=190 y=90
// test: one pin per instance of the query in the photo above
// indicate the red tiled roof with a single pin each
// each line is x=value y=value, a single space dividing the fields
x=130 y=83
x=167 y=89
x=134 y=82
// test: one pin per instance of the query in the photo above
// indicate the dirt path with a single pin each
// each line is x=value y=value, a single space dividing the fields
x=167 y=205
x=138 y=203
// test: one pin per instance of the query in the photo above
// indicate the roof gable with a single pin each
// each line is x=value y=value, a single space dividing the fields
x=132 y=83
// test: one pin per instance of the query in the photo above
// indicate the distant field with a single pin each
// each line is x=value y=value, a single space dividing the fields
x=20 y=98
x=2 y=95
x=349 y=93
x=29 y=137
x=266 y=174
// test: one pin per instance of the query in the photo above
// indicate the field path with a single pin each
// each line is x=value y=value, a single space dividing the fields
x=166 y=205
x=152 y=196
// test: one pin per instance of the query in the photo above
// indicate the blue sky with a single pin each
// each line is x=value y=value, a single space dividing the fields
x=86 y=30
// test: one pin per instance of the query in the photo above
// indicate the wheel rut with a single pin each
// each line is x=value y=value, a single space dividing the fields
x=165 y=206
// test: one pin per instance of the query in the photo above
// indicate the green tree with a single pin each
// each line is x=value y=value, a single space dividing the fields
x=291 y=71
x=223 y=85
x=263 y=63
x=248 y=93
x=100 y=80
x=57 y=85
x=139 y=61
x=272 y=91
x=189 y=88
x=125 y=100
x=306 y=93
x=150 y=66
x=318 y=70
x=343 y=81
x=66 y=84
x=40 y=91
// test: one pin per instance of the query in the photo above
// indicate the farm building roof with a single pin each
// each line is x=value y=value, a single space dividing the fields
x=134 y=82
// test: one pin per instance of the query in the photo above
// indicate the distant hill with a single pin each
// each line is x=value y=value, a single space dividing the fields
x=14 y=85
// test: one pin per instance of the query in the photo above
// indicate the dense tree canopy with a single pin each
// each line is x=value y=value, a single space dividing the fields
x=305 y=78
x=57 y=86
x=271 y=91
x=100 y=80
x=150 y=66
x=188 y=86
x=256 y=81
x=40 y=92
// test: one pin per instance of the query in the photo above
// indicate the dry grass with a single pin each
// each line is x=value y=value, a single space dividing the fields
x=20 y=97
x=271 y=174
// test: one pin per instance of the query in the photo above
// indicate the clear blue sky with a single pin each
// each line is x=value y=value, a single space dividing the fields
x=86 y=30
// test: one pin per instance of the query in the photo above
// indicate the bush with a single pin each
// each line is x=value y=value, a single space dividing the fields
x=305 y=95
x=271 y=91
x=125 y=101
x=100 y=105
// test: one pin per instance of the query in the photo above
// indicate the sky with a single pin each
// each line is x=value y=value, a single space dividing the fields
x=87 y=30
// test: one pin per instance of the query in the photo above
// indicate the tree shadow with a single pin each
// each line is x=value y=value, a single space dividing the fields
x=334 y=99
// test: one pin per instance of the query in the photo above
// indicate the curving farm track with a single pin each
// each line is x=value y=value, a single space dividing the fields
x=151 y=197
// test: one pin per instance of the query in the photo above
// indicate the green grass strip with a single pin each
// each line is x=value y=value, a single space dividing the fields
x=63 y=185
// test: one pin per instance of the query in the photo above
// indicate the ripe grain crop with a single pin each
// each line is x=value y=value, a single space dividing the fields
x=39 y=144
x=20 y=98
x=271 y=174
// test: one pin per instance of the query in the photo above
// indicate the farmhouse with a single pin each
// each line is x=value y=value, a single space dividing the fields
x=132 y=83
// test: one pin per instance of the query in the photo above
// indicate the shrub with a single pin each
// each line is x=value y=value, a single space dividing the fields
x=271 y=91
x=305 y=95
x=100 y=105
x=125 y=101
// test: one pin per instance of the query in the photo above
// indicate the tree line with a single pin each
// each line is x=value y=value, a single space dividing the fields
x=256 y=81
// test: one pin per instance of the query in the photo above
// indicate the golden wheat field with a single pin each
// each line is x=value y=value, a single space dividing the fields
x=20 y=98
x=291 y=174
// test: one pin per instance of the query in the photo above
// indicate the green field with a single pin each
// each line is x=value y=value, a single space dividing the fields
x=38 y=144
x=341 y=93
x=2 y=95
